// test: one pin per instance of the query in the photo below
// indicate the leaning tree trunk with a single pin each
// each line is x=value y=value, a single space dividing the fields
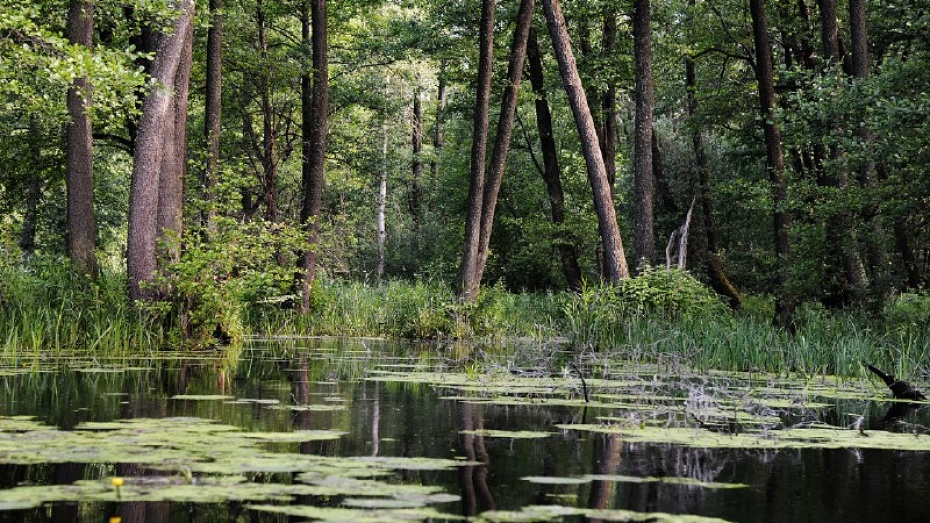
x=504 y=131
x=784 y=301
x=213 y=110
x=82 y=227
x=158 y=119
x=314 y=145
x=551 y=172
x=468 y=268
x=614 y=257
x=643 y=178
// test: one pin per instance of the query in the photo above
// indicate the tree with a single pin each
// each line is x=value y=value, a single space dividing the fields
x=416 y=185
x=615 y=259
x=775 y=162
x=157 y=127
x=467 y=284
x=644 y=180
x=550 y=171
x=82 y=226
x=313 y=147
x=213 y=107
x=504 y=131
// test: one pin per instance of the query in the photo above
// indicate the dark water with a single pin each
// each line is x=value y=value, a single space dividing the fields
x=402 y=419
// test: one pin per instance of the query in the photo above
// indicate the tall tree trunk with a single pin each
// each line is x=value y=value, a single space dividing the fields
x=504 y=131
x=784 y=301
x=158 y=119
x=551 y=172
x=437 y=129
x=714 y=266
x=314 y=146
x=82 y=227
x=382 y=203
x=468 y=268
x=614 y=257
x=416 y=187
x=269 y=133
x=174 y=160
x=643 y=177
x=145 y=43
x=608 y=125
x=213 y=110
x=860 y=71
x=841 y=226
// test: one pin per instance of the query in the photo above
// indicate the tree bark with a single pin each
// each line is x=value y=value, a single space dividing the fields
x=643 y=177
x=504 y=131
x=551 y=172
x=784 y=301
x=158 y=119
x=714 y=266
x=213 y=110
x=615 y=259
x=467 y=287
x=269 y=133
x=608 y=125
x=416 y=187
x=314 y=146
x=82 y=227
x=860 y=71
x=437 y=129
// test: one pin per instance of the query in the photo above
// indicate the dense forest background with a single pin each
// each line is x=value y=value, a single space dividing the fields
x=250 y=146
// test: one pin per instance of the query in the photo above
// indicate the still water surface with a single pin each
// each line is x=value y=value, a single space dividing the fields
x=326 y=380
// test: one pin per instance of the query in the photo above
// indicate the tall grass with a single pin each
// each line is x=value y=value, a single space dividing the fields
x=46 y=307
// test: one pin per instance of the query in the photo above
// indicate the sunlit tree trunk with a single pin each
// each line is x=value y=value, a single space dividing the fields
x=775 y=163
x=615 y=260
x=382 y=203
x=550 y=171
x=156 y=128
x=314 y=146
x=504 y=131
x=467 y=287
x=82 y=227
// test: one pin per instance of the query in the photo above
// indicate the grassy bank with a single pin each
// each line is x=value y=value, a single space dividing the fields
x=659 y=317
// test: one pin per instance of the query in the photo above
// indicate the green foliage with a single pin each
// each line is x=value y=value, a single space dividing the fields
x=216 y=278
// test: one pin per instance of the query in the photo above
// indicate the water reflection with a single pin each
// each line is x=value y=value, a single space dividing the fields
x=318 y=385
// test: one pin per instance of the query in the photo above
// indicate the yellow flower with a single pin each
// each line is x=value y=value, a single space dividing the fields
x=117 y=482
x=116 y=519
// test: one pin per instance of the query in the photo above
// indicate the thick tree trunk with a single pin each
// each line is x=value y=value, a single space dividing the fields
x=614 y=257
x=314 y=147
x=784 y=301
x=643 y=177
x=551 y=172
x=416 y=187
x=213 y=110
x=174 y=160
x=82 y=227
x=504 y=131
x=159 y=112
x=467 y=287
x=714 y=266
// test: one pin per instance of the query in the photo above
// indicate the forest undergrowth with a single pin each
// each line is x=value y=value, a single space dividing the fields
x=659 y=316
